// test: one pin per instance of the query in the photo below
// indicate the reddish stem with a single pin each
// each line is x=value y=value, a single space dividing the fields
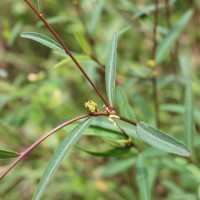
x=30 y=148
x=68 y=52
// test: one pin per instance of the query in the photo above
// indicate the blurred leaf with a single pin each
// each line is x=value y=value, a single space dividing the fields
x=176 y=108
x=59 y=156
x=96 y=14
x=188 y=114
x=121 y=98
x=128 y=112
x=185 y=61
x=151 y=8
x=140 y=102
x=103 y=122
x=97 y=131
x=110 y=70
x=43 y=40
x=165 y=47
x=114 y=152
x=56 y=19
x=67 y=60
x=39 y=5
x=123 y=104
x=118 y=166
x=83 y=43
x=142 y=179
x=15 y=32
x=8 y=154
x=161 y=140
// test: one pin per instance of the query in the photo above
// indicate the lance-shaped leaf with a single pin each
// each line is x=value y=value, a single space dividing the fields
x=8 y=154
x=39 y=5
x=142 y=178
x=110 y=70
x=114 y=152
x=161 y=140
x=166 y=46
x=59 y=156
x=44 y=40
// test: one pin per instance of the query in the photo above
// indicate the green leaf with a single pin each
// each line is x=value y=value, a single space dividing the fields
x=103 y=122
x=123 y=104
x=110 y=70
x=185 y=61
x=83 y=43
x=161 y=140
x=188 y=114
x=121 y=98
x=15 y=32
x=97 y=10
x=8 y=154
x=67 y=60
x=166 y=46
x=151 y=8
x=59 y=156
x=118 y=166
x=114 y=152
x=142 y=179
x=43 y=40
x=39 y=5
x=141 y=103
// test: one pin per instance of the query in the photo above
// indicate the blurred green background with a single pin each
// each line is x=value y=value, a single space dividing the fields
x=38 y=92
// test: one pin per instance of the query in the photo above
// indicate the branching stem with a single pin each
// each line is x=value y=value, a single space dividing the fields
x=41 y=139
x=68 y=52
x=30 y=148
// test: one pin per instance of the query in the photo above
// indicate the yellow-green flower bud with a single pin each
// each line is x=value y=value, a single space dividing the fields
x=151 y=63
x=91 y=106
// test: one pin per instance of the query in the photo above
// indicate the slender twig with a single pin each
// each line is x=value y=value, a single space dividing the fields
x=30 y=148
x=173 y=52
x=41 y=139
x=155 y=29
x=154 y=77
x=68 y=52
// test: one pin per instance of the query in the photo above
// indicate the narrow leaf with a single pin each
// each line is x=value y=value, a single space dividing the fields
x=151 y=8
x=43 y=40
x=114 y=152
x=161 y=140
x=110 y=70
x=103 y=122
x=166 y=46
x=59 y=156
x=142 y=179
x=118 y=166
x=188 y=114
x=67 y=60
x=185 y=61
x=83 y=43
x=15 y=32
x=121 y=98
x=123 y=104
x=8 y=154
x=95 y=16
x=39 y=5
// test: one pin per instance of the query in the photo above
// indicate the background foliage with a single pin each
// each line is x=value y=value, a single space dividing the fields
x=38 y=92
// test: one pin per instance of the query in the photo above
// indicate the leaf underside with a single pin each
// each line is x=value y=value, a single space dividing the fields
x=110 y=70
x=46 y=41
x=59 y=156
x=161 y=140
